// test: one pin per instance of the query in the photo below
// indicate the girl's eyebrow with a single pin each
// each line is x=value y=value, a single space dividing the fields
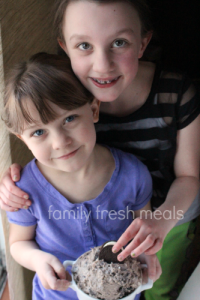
x=40 y=124
x=125 y=30
x=78 y=36
x=32 y=126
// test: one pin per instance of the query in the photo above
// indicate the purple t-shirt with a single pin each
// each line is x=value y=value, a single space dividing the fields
x=67 y=230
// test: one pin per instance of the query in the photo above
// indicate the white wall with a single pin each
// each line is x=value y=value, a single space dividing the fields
x=191 y=290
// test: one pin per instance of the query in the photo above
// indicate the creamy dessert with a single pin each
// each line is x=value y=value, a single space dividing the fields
x=102 y=280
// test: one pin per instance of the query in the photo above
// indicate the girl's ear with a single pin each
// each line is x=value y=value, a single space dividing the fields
x=144 y=43
x=95 y=110
x=62 y=45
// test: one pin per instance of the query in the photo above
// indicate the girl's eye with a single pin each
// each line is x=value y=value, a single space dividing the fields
x=84 y=46
x=70 y=119
x=38 y=132
x=119 y=43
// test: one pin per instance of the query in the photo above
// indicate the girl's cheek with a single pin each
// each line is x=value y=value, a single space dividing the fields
x=128 y=59
x=88 y=133
x=37 y=149
x=80 y=66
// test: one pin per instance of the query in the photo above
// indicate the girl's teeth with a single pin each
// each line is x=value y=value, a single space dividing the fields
x=104 y=81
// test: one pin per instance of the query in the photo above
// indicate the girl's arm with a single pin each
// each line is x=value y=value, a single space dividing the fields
x=27 y=253
x=143 y=211
x=150 y=231
x=11 y=197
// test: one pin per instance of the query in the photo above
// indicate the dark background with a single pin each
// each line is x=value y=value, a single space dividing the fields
x=177 y=27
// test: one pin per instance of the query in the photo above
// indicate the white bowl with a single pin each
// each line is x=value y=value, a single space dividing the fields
x=83 y=296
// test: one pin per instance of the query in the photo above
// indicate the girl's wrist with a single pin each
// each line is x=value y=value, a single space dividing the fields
x=37 y=256
x=164 y=219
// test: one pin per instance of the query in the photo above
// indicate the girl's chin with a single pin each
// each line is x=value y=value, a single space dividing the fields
x=105 y=98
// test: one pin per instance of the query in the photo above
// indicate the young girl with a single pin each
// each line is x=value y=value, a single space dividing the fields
x=82 y=194
x=145 y=110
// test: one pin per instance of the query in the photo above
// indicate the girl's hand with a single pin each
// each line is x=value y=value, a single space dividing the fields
x=51 y=272
x=11 y=197
x=153 y=270
x=148 y=235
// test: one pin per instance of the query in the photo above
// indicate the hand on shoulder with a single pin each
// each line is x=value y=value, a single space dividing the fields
x=12 y=198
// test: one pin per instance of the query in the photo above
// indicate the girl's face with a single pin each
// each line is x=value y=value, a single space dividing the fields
x=65 y=144
x=104 y=43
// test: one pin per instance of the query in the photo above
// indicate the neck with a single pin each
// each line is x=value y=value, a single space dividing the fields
x=84 y=184
x=50 y=173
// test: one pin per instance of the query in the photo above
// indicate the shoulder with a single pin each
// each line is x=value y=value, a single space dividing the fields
x=26 y=172
x=25 y=217
x=167 y=83
x=129 y=163
x=30 y=177
x=171 y=80
x=134 y=177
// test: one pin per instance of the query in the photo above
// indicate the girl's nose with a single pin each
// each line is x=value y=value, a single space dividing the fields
x=103 y=63
x=61 y=141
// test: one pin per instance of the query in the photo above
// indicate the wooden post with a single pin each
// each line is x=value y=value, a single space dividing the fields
x=26 y=28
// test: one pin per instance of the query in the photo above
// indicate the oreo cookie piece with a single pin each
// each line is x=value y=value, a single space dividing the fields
x=107 y=255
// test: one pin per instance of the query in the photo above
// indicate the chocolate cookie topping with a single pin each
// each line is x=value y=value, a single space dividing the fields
x=106 y=253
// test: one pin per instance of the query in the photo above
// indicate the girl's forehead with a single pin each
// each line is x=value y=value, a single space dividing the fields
x=87 y=16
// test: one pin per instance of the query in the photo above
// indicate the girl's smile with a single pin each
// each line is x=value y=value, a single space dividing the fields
x=104 y=43
x=69 y=155
x=105 y=82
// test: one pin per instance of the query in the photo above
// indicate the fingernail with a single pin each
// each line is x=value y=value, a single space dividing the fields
x=25 y=197
x=132 y=254
x=28 y=203
x=25 y=207
x=114 y=250
x=120 y=258
x=15 y=177
x=16 y=209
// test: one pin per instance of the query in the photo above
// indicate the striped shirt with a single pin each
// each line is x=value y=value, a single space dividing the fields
x=150 y=132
